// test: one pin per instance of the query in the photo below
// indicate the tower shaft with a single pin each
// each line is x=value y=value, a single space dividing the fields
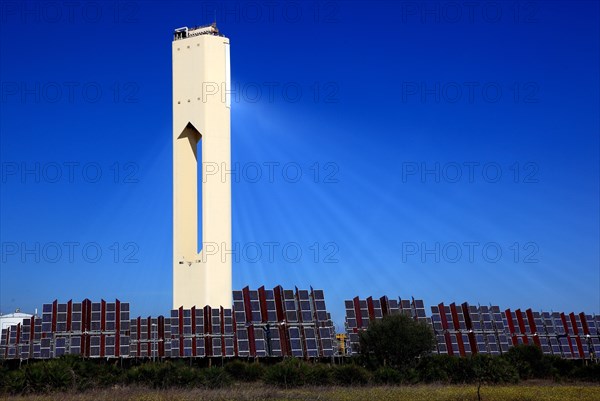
x=201 y=114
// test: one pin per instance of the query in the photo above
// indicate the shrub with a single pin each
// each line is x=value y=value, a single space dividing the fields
x=145 y=375
x=318 y=375
x=236 y=369
x=396 y=341
x=480 y=367
x=530 y=362
x=36 y=380
x=14 y=382
x=434 y=369
x=187 y=376
x=589 y=373
x=163 y=375
x=58 y=374
x=254 y=372
x=215 y=378
x=106 y=375
x=289 y=373
x=87 y=374
x=3 y=377
x=242 y=371
x=496 y=370
x=387 y=376
x=461 y=371
x=560 y=369
x=350 y=375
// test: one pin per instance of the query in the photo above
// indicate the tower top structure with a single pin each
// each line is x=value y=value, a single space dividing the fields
x=185 y=32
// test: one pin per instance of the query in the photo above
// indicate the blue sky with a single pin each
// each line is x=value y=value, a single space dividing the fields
x=450 y=153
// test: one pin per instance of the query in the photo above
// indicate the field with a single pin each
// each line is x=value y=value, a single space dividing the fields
x=525 y=392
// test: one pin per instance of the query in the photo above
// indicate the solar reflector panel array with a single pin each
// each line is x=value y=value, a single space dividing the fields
x=569 y=336
x=467 y=330
x=359 y=312
x=201 y=332
x=99 y=329
x=262 y=323
x=149 y=338
x=487 y=330
x=281 y=322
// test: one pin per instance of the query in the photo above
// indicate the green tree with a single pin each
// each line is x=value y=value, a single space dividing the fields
x=530 y=362
x=492 y=370
x=396 y=341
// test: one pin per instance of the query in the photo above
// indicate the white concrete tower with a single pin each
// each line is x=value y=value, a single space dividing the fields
x=201 y=112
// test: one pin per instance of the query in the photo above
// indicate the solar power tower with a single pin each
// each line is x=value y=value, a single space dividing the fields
x=201 y=119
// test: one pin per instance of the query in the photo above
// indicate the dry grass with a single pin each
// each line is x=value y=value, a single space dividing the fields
x=525 y=392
